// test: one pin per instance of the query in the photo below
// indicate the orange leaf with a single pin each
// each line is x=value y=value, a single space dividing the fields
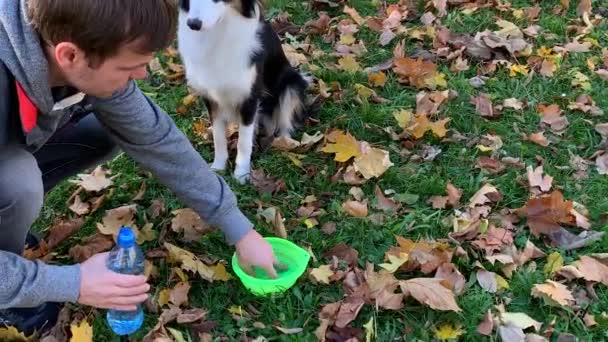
x=431 y=292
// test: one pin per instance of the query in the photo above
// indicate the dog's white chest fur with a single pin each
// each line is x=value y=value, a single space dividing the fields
x=218 y=60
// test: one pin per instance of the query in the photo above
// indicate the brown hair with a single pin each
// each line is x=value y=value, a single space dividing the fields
x=102 y=27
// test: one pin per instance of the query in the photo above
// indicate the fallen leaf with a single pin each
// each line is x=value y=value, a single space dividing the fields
x=545 y=213
x=394 y=262
x=116 y=218
x=146 y=234
x=552 y=115
x=285 y=143
x=530 y=252
x=513 y=103
x=377 y=79
x=272 y=215
x=384 y=203
x=601 y=163
x=265 y=184
x=414 y=71
x=490 y=164
x=355 y=208
x=548 y=68
x=191 y=316
x=536 y=178
x=11 y=333
x=422 y=124
x=157 y=208
x=96 y=181
x=81 y=332
x=370 y=329
x=554 y=263
x=187 y=221
x=371 y=162
x=289 y=331
x=343 y=252
x=520 y=320
x=61 y=230
x=483 y=105
x=511 y=333
x=179 y=294
x=79 y=207
x=539 y=139
x=90 y=246
x=345 y=146
x=592 y=270
x=602 y=73
x=430 y=292
x=486 y=194
x=349 y=310
x=554 y=293
x=348 y=63
x=329 y=228
x=450 y=274
x=487 y=325
x=487 y=280
x=589 y=320
x=448 y=332
x=322 y=274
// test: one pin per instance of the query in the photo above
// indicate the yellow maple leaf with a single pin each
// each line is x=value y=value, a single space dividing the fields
x=347 y=39
x=554 y=263
x=82 y=332
x=581 y=80
x=363 y=92
x=12 y=334
x=403 y=117
x=236 y=310
x=348 y=63
x=345 y=147
x=395 y=262
x=322 y=274
x=437 y=80
x=146 y=234
x=377 y=79
x=163 y=297
x=422 y=124
x=372 y=162
x=518 y=69
x=220 y=273
x=448 y=332
x=501 y=283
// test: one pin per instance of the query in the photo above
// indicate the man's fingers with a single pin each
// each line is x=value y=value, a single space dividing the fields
x=123 y=307
x=127 y=280
x=132 y=291
x=272 y=273
x=130 y=300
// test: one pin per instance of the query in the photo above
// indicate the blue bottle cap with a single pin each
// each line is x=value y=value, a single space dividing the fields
x=126 y=238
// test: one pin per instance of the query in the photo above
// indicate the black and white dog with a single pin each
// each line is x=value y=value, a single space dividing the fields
x=235 y=61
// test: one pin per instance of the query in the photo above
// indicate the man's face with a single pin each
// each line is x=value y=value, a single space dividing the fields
x=113 y=74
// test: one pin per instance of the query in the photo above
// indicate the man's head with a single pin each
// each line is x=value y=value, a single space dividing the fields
x=99 y=45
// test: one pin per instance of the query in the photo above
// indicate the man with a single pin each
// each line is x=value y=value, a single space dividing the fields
x=67 y=96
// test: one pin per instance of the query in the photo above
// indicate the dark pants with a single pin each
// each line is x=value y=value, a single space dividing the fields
x=26 y=177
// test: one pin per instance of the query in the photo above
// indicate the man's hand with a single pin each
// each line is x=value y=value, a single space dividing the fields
x=102 y=288
x=253 y=250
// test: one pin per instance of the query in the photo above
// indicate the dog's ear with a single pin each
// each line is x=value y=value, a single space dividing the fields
x=184 y=5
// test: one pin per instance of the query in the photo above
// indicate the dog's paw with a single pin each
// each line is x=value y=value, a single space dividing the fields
x=242 y=175
x=218 y=166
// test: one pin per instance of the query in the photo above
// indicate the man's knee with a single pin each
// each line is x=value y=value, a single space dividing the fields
x=20 y=182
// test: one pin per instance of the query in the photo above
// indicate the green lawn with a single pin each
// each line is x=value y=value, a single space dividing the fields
x=300 y=306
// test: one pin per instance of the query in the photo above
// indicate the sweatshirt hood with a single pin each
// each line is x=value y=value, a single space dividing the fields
x=21 y=51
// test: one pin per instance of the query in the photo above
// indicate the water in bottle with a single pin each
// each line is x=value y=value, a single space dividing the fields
x=126 y=258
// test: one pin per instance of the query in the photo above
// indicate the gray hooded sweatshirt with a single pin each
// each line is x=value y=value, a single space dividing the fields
x=141 y=129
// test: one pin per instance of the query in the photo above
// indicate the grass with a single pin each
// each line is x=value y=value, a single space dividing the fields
x=300 y=306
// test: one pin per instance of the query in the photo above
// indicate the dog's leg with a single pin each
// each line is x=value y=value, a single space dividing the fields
x=289 y=105
x=220 y=144
x=247 y=131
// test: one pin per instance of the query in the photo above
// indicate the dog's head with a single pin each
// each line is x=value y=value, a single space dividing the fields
x=205 y=14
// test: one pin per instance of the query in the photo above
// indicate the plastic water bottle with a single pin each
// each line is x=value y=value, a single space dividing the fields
x=126 y=258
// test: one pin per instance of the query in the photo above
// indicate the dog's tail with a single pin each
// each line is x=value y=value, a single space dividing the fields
x=292 y=110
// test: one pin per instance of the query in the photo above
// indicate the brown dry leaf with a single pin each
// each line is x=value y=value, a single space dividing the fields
x=513 y=103
x=490 y=164
x=90 y=246
x=191 y=316
x=355 y=208
x=530 y=252
x=345 y=146
x=95 y=181
x=601 y=164
x=452 y=277
x=589 y=320
x=548 y=68
x=546 y=213
x=265 y=184
x=79 y=207
x=487 y=280
x=553 y=293
x=157 y=208
x=459 y=65
x=384 y=203
x=377 y=79
x=592 y=269
x=483 y=106
x=486 y=194
x=351 y=177
x=115 y=218
x=487 y=325
x=322 y=274
x=61 y=230
x=552 y=116
x=349 y=310
x=539 y=139
x=285 y=143
x=190 y=223
x=179 y=294
x=371 y=162
x=494 y=240
x=584 y=7
x=578 y=47
x=354 y=14
x=415 y=71
x=536 y=178
x=272 y=216
x=430 y=292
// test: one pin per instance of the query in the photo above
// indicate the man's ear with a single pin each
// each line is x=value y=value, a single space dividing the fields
x=68 y=55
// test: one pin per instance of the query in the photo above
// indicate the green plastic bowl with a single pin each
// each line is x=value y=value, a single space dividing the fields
x=289 y=254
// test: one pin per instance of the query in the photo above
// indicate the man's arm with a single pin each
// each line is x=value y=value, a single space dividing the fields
x=147 y=133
